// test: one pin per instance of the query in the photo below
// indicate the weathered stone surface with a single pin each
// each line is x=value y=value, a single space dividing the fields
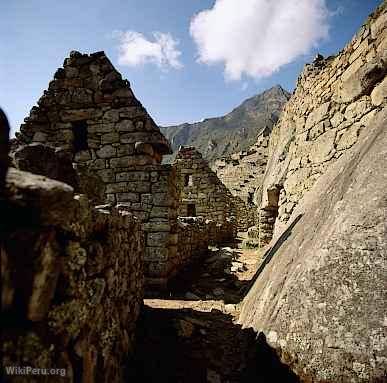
x=337 y=99
x=361 y=81
x=201 y=192
x=46 y=161
x=74 y=274
x=53 y=200
x=379 y=94
x=323 y=292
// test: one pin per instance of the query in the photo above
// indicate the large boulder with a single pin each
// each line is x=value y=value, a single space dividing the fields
x=320 y=296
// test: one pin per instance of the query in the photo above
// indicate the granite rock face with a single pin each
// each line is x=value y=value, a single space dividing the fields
x=320 y=295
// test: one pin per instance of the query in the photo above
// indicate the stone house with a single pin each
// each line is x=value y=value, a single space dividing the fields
x=91 y=113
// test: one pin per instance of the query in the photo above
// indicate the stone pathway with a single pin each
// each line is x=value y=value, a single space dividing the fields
x=189 y=334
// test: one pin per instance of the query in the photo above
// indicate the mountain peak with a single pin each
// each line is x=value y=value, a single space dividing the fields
x=236 y=131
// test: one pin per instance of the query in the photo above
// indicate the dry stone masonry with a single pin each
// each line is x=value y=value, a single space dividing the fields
x=335 y=99
x=89 y=119
x=242 y=173
x=72 y=281
x=201 y=192
x=90 y=113
x=319 y=295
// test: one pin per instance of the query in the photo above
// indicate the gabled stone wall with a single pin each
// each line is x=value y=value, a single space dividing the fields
x=201 y=193
x=334 y=99
x=91 y=113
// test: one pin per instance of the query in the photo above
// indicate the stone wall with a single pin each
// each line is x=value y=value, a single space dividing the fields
x=243 y=173
x=334 y=99
x=201 y=193
x=72 y=281
x=196 y=233
x=319 y=296
x=90 y=113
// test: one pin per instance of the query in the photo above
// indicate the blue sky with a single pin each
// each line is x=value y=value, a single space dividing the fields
x=36 y=35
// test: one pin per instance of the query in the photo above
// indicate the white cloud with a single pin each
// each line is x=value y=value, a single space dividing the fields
x=257 y=37
x=135 y=49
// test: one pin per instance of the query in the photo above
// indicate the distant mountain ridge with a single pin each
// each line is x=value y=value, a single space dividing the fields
x=236 y=131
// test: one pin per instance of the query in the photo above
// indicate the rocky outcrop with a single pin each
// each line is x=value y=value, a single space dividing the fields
x=222 y=136
x=333 y=103
x=319 y=296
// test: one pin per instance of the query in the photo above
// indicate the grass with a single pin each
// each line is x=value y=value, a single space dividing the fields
x=250 y=243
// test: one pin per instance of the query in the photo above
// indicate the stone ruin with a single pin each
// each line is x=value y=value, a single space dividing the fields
x=99 y=219
x=320 y=293
x=89 y=119
x=201 y=192
x=334 y=100
x=72 y=279
x=98 y=215
x=243 y=173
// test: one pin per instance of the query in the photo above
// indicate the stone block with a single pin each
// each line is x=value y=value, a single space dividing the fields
x=80 y=114
x=111 y=115
x=132 y=176
x=337 y=119
x=157 y=226
x=118 y=187
x=155 y=254
x=139 y=186
x=106 y=175
x=96 y=128
x=348 y=137
x=157 y=239
x=124 y=197
x=159 y=212
x=317 y=115
x=379 y=93
x=360 y=79
x=125 y=150
x=323 y=147
x=106 y=151
x=125 y=126
x=97 y=164
x=110 y=138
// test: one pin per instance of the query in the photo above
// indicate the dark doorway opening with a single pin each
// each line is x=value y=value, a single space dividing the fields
x=191 y=210
x=80 y=136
